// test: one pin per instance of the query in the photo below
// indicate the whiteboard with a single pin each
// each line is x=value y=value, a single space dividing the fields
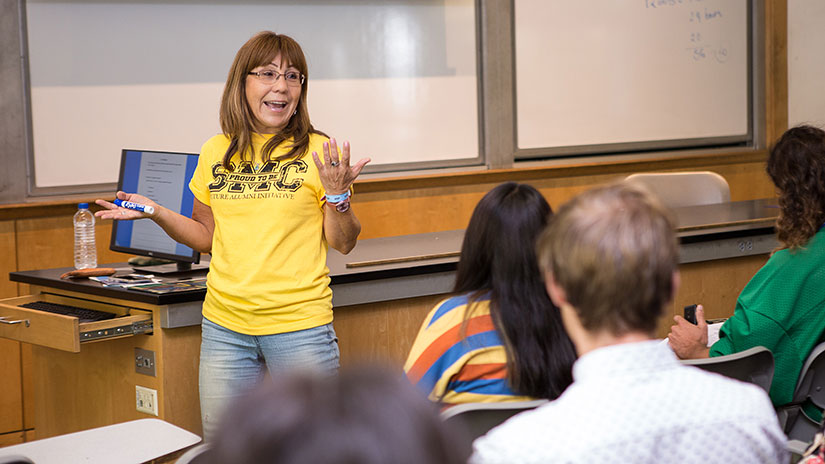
x=617 y=72
x=806 y=66
x=396 y=79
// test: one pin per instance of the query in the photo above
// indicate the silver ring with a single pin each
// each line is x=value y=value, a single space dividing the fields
x=122 y=213
x=333 y=163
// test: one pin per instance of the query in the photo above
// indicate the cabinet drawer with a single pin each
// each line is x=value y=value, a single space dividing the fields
x=67 y=333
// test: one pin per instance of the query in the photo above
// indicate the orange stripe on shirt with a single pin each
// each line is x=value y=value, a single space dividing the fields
x=481 y=371
x=449 y=338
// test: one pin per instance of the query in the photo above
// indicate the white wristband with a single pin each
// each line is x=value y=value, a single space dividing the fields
x=334 y=199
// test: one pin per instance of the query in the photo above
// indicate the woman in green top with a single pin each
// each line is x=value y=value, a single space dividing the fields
x=783 y=306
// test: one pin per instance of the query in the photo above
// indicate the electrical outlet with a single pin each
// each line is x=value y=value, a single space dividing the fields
x=145 y=362
x=146 y=400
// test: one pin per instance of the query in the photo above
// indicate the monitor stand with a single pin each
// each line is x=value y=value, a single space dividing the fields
x=174 y=268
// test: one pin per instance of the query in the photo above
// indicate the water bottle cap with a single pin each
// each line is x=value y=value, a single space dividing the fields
x=83 y=206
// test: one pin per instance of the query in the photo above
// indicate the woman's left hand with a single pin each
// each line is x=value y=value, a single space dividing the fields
x=336 y=174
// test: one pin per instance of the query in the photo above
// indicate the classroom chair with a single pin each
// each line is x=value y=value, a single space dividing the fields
x=809 y=388
x=478 y=418
x=754 y=365
x=15 y=459
x=193 y=455
x=678 y=189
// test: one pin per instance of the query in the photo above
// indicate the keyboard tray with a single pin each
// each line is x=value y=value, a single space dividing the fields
x=67 y=333
x=82 y=314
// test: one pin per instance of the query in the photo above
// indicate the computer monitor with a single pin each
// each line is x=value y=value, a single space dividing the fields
x=164 y=177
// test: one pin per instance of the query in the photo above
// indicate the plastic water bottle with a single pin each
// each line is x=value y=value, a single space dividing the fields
x=85 y=252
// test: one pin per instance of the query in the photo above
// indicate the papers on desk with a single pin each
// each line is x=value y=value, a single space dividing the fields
x=713 y=332
x=187 y=285
x=125 y=282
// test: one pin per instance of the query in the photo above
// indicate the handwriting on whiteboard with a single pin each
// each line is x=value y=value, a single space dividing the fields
x=666 y=3
x=699 y=15
x=706 y=14
x=701 y=52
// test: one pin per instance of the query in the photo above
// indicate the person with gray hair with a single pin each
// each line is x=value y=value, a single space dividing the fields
x=610 y=262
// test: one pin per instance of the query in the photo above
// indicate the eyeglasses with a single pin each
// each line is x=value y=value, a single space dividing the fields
x=293 y=78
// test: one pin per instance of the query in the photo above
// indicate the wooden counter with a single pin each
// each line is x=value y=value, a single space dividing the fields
x=385 y=287
x=424 y=264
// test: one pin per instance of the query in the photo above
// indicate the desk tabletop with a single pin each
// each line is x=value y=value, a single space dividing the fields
x=141 y=440
x=707 y=222
x=51 y=278
x=439 y=251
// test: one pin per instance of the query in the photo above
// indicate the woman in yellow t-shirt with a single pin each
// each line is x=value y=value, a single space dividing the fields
x=271 y=194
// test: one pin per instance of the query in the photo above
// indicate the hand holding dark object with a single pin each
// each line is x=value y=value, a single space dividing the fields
x=687 y=340
x=690 y=314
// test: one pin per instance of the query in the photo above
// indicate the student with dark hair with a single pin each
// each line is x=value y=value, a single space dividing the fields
x=365 y=415
x=783 y=306
x=500 y=337
x=610 y=259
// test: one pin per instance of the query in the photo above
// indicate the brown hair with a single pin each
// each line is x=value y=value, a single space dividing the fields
x=796 y=166
x=365 y=414
x=236 y=116
x=613 y=251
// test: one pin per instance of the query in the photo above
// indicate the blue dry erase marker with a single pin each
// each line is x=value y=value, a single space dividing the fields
x=135 y=206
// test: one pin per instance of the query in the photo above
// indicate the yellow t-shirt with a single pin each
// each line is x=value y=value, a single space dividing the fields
x=268 y=272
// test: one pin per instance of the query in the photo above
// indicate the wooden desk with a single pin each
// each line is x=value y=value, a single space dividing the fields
x=425 y=264
x=95 y=386
x=382 y=292
x=143 y=440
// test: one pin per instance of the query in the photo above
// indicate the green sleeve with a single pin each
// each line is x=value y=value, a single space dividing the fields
x=747 y=329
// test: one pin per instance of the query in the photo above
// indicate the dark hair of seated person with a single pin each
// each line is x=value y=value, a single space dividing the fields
x=363 y=415
x=796 y=166
x=498 y=258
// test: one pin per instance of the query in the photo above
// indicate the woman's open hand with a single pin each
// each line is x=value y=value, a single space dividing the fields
x=336 y=174
x=112 y=211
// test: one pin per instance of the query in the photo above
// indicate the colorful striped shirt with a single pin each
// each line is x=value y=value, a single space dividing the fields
x=453 y=366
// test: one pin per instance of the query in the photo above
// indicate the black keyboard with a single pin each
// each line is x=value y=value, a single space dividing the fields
x=85 y=315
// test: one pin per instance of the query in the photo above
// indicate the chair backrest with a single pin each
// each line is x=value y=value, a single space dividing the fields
x=754 y=365
x=15 y=459
x=677 y=189
x=193 y=455
x=811 y=383
x=795 y=421
x=478 y=418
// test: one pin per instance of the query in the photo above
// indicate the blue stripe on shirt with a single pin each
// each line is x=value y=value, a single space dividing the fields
x=460 y=348
x=448 y=306
x=453 y=303
x=481 y=386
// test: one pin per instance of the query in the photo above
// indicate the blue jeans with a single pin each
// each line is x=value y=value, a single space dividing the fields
x=231 y=363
